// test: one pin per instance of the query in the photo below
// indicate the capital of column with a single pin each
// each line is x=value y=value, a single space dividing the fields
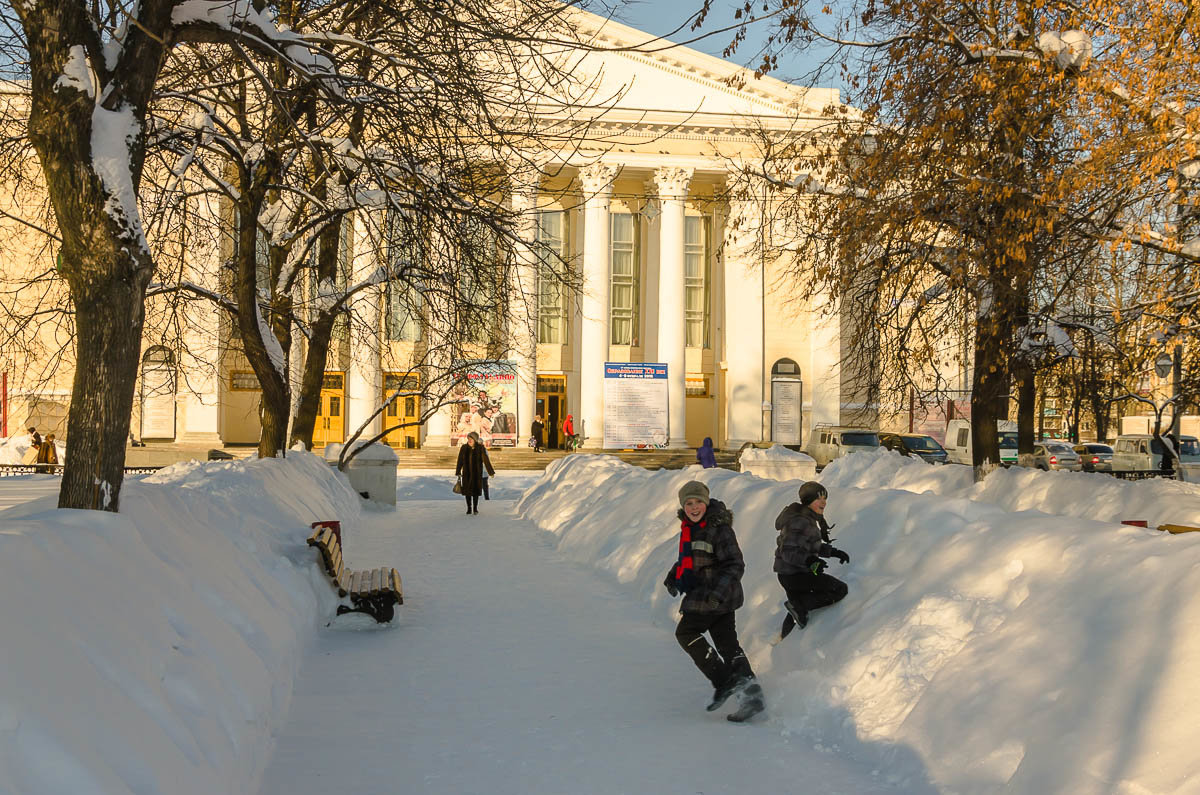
x=597 y=178
x=672 y=182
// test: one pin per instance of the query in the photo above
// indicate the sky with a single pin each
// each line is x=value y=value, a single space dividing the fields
x=663 y=17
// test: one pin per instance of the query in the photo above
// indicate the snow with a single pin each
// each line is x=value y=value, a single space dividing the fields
x=113 y=136
x=776 y=452
x=76 y=73
x=1007 y=636
x=365 y=452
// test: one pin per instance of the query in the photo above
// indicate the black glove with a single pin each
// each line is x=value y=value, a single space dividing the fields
x=833 y=552
x=816 y=565
x=670 y=584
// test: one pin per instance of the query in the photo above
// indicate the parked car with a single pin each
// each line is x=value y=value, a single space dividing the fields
x=1141 y=452
x=828 y=442
x=958 y=441
x=914 y=444
x=1094 y=457
x=1052 y=454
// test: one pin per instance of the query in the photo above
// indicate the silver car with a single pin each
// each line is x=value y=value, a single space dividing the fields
x=1095 y=457
x=1056 y=455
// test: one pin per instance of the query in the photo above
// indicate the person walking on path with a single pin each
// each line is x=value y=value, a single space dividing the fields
x=705 y=455
x=800 y=552
x=709 y=575
x=47 y=455
x=487 y=470
x=472 y=462
x=535 y=433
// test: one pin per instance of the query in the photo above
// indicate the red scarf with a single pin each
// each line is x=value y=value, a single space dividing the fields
x=685 y=575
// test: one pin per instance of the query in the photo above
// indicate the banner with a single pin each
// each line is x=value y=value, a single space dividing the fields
x=635 y=405
x=484 y=400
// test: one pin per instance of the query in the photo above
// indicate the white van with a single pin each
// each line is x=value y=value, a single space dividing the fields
x=827 y=442
x=959 y=449
x=1141 y=452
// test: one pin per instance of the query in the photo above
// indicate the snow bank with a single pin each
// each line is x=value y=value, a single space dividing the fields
x=154 y=650
x=995 y=650
x=777 y=463
x=776 y=452
x=1084 y=495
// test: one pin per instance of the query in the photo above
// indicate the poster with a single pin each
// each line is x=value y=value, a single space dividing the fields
x=158 y=402
x=484 y=400
x=635 y=405
x=786 y=411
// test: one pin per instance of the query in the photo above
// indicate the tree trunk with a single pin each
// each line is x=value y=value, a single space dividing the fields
x=311 y=382
x=1026 y=408
x=987 y=388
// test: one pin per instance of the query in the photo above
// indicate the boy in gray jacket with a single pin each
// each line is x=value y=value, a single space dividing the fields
x=800 y=553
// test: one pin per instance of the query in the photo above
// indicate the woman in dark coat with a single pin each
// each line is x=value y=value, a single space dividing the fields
x=472 y=461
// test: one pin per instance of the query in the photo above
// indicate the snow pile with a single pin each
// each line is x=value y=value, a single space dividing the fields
x=777 y=463
x=992 y=650
x=1083 y=495
x=776 y=452
x=155 y=650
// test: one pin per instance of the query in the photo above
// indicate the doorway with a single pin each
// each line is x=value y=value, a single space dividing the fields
x=404 y=410
x=551 y=403
x=331 y=420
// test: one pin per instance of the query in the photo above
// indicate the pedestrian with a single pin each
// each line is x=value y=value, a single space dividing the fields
x=29 y=457
x=709 y=575
x=487 y=470
x=568 y=429
x=800 y=552
x=35 y=438
x=472 y=462
x=535 y=433
x=705 y=455
x=47 y=455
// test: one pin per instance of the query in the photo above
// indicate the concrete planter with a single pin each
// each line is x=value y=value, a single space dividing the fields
x=372 y=473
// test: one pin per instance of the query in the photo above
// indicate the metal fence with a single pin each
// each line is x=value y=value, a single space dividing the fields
x=11 y=470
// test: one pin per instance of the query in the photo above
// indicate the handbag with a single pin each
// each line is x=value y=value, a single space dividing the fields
x=458 y=486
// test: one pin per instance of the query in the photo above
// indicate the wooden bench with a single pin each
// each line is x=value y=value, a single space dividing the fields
x=375 y=592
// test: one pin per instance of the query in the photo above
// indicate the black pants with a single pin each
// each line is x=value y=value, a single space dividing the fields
x=808 y=591
x=728 y=658
x=472 y=502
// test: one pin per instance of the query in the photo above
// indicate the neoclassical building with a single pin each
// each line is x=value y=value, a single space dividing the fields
x=669 y=272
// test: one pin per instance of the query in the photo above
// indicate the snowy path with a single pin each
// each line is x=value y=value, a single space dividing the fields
x=19 y=489
x=512 y=671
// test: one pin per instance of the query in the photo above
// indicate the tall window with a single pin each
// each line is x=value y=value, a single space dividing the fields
x=319 y=293
x=626 y=279
x=479 y=287
x=403 y=298
x=695 y=258
x=552 y=293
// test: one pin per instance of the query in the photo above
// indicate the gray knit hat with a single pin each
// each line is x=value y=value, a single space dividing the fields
x=812 y=490
x=693 y=488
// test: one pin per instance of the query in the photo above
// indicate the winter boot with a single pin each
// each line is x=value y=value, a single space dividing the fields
x=732 y=684
x=797 y=614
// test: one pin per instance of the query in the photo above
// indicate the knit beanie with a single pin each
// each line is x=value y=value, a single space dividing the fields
x=693 y=488
x=812 y=490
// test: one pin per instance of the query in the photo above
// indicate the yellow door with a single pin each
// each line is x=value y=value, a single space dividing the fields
x=331 y=416
x=404 y=412
x=551 y=404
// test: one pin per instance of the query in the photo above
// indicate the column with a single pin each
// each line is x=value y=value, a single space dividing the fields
x=364 y=381
x=672 y=188
x=199 y=391
x=523 y=302
x=745 y=392
x=597 y=182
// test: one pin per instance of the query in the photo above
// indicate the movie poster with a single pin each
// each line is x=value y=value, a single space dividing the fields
x=485 y=401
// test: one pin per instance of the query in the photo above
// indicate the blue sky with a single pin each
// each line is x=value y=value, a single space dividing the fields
x=660 y=17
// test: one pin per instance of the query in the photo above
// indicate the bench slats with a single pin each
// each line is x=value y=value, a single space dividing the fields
x=373 y=590
x=376 y=581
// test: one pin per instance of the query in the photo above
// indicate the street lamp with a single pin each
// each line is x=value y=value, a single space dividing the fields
x=1163 y=364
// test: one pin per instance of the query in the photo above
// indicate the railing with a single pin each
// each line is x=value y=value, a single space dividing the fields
x=11 y=470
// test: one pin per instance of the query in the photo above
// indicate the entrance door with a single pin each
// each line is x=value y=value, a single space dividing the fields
x=403 y=410
x=552 y=405
x=331 y=419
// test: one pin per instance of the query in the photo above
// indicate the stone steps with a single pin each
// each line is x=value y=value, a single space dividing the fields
x=518 y=458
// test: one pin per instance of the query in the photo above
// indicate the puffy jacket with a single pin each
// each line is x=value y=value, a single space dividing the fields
x=716 y=561
x=800 y=538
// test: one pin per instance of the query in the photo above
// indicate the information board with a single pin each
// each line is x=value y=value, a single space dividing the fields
x=786 y=414
x=635 y=405
x=158 y=402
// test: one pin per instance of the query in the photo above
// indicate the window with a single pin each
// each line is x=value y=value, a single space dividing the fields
x=479 y=288
x=552 y=294
x=695 y=258
x=696 y=386
x=403 y=298
x=626 y=279
x=316 y=289
x=963 y=435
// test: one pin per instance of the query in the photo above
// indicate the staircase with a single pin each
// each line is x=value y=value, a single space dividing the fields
x=524 y=458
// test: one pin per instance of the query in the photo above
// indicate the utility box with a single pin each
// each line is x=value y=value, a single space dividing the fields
x=372 y=472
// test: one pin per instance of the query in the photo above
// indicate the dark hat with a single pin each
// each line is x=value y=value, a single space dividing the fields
x=473 y=435
x=693 y=488
x=812 y=490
